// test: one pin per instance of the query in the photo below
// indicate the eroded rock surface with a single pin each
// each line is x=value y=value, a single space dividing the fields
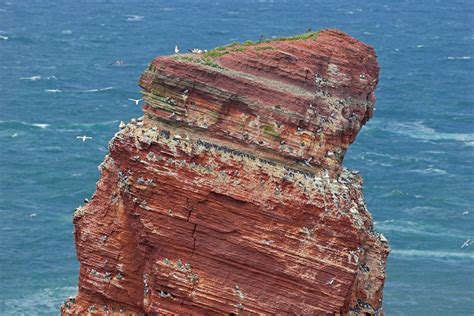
x=229 y=197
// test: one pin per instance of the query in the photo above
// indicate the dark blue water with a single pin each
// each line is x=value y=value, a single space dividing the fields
x=416 y=155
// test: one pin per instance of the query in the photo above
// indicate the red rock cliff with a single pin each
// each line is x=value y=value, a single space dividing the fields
x=228 y=196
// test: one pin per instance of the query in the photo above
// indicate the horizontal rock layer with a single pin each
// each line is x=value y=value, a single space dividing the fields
x=228 y=196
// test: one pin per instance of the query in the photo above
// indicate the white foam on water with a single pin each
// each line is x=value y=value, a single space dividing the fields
x=134 y=18
x=459 y=57
x=44 y=300
x=53 y=91
x=419 y=131
x=413 y=228
x=40 y=125
x=4 y=37
x=431 y=170
x=98 y=90
x=96 y=124
x=432 y=254
x=32 y=78
x=67 y=32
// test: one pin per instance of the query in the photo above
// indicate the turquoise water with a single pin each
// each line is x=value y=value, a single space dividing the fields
x=416 y=155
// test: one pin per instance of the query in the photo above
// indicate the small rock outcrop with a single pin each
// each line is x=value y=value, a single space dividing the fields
x=228 y=197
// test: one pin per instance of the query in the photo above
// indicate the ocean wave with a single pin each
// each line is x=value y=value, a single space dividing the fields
x=431 y=170
x=4 y=37
x=459 y=57
x=53 y=91
x=419 y=131
x=414 y=228
x=96 y=124
x=40 y=125
x=432 y=254
x=134 y=18
x=98 y=90
x=45 y=300
x=32 y=78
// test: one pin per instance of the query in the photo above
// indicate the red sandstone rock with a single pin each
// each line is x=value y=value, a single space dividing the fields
x=229 y=197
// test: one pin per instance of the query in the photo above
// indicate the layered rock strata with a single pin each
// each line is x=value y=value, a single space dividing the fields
x=228 y=196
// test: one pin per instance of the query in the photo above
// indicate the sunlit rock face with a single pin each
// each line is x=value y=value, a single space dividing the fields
x=229 y=195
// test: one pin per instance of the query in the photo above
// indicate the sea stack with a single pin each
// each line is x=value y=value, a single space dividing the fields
x=229 y=196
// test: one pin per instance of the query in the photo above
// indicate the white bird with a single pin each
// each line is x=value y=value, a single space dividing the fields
x=196 y=51
x=176 y=50
x=331 y=281
x=467 y=243
x=136 y=101
x=84 y=137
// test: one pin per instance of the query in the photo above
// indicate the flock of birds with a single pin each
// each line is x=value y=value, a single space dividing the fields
x=84 y=138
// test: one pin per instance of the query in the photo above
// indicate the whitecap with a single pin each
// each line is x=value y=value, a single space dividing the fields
x=97 y=90
x=4 y=37
x=432 y=254
x=431 y=170
x=420 y=229
x=419 y=131
x=459 y=57
x=32 y=78
x=96 y=124
x=53 y=91
x=420 y=46
x=67 y=32
x=40 y=125
x=135 y=18
x=45 y=300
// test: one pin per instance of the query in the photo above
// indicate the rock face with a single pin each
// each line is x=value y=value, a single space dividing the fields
x=229 y=197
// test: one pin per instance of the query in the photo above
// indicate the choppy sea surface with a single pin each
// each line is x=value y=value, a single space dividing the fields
x=58 y=81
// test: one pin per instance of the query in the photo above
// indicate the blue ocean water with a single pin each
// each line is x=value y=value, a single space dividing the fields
x=416 y=154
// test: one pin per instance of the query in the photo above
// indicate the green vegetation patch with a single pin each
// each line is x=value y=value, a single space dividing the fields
x=258 y=48
x=199 y=60
x=207 y=58
x=269 y=130
x=240 y=47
